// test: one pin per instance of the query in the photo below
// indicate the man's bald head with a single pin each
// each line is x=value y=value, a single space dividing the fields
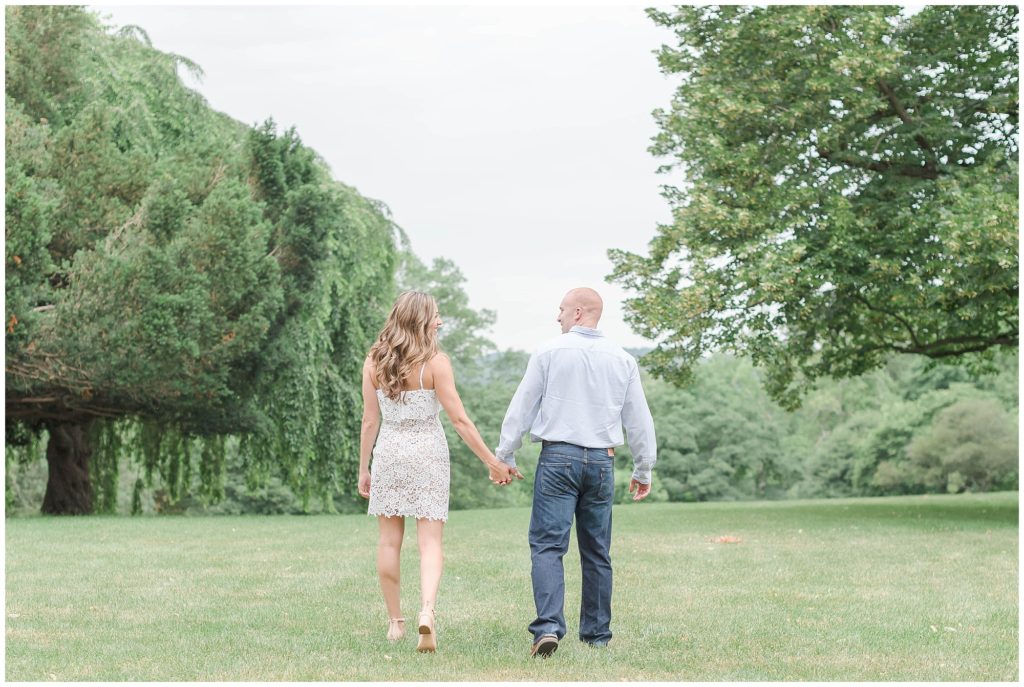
x=581 y=306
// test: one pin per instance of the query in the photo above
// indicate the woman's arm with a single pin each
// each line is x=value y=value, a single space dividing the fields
x=370 y=427
x=444 y=385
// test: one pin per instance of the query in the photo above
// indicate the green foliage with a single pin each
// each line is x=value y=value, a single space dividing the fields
x=486 y=396
x=856 y=435
x=720 y=439
x=970 y=446
x=849 y=189
x=173 y=276
x=888 y=432
x=723 y=438
x=24 y=475
x=338 y=253
x=46 y=79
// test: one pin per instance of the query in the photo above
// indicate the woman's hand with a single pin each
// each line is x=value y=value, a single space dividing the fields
x=500 y=473
x=364 y=484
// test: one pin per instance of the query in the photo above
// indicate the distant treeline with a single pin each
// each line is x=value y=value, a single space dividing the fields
x=910 y=428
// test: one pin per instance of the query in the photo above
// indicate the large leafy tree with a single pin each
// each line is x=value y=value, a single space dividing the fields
x=172 y=275
x=845 y=187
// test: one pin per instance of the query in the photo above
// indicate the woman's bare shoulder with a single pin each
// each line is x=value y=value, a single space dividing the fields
x=439 y=361
x=439 y=366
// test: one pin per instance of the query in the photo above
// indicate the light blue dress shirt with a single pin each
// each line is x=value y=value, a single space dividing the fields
x=582 y=389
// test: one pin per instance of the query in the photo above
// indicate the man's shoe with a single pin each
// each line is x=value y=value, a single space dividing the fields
x=545 y=646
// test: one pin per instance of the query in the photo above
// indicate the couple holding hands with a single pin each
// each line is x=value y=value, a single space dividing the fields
x=578 y=393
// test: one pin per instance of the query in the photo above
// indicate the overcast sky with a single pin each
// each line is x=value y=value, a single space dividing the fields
x=511 y=140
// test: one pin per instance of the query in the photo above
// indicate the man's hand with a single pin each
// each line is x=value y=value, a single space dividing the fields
x=642 y=490
x=515 y=473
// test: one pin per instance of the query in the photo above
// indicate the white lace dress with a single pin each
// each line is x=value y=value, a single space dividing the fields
x=410 y=473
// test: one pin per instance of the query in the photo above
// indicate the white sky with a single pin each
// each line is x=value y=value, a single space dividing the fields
x=512 y=140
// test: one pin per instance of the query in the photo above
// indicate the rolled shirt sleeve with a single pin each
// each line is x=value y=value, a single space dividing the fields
x=639 y=426
x=522 y=411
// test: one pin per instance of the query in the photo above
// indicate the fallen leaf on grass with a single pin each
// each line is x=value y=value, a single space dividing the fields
x=726 y=539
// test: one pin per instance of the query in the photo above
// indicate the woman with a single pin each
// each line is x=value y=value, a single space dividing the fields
x=406 y=380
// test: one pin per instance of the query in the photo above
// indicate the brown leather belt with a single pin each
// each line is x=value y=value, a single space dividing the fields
x=545 y=443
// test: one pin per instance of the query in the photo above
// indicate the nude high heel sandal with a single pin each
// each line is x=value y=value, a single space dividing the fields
x=428 y=637
x=396 y=629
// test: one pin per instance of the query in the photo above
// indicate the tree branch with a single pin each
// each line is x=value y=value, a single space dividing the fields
x=901 y=112
x=898 y=318
x=897 y=106
x=55 y=408
x=941 y=348
x=917 y=172
x=973 y=344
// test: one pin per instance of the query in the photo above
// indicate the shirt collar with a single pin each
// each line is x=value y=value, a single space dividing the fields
x=587 y=331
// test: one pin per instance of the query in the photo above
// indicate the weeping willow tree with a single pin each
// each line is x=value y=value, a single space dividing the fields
x=173 y=277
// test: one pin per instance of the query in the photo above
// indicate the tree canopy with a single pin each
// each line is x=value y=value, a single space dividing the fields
x=845 y=187
x=174 y=276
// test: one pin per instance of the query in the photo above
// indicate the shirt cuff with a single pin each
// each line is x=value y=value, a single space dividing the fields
x=642 y=475
x=509 y=460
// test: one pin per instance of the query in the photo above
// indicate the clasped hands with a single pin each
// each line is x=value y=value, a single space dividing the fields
x=502 y=474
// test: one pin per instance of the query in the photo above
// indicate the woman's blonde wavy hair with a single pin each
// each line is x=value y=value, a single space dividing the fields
x=406 y=342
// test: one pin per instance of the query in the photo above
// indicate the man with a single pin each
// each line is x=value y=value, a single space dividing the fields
x=578 y=392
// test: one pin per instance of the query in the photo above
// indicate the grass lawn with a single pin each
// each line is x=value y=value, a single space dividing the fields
x=913 y=588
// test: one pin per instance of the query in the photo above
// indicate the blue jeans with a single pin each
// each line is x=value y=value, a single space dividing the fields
x=572 y=481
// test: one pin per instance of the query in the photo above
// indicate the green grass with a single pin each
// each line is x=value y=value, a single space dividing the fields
x=915 y=588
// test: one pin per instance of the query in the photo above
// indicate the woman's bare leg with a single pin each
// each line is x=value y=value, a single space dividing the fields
x=428 y=535
x=389 y=550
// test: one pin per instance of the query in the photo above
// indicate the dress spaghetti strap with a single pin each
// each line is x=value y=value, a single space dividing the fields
x=421 y=374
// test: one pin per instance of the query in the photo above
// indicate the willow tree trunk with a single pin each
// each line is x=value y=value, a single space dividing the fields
x=68 y=489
